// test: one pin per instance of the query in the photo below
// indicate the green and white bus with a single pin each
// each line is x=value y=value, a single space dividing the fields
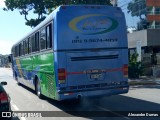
x=77 y=51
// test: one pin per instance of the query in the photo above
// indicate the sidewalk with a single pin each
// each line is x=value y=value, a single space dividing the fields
x=144 y=80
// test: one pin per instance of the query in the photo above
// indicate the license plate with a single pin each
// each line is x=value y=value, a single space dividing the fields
x=95 y=76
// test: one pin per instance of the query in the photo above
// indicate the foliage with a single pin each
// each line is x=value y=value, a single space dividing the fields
x=142 y=24
x=44 y=7
x=135 y=68
x=137 y=8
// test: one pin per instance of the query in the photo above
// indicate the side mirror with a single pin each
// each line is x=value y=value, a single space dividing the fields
x=3 y=83
x=9 y=58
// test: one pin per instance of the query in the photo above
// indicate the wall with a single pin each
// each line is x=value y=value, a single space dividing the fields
x=153 y=37
x=137 y=36
x=150 y=37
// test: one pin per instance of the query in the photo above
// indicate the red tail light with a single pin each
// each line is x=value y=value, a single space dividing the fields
x=62 y=75
x=125 y=70
x=3 y=97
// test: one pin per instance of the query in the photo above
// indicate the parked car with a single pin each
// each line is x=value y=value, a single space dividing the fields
x=5 y=105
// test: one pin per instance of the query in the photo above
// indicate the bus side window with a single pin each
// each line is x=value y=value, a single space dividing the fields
x=13 y=52
x=26 y=46
x=32 y=39
x=37 y=41
x=22 y=47
x=29 y=45
x=43 y=39
x=49 y=36
x=19 y=53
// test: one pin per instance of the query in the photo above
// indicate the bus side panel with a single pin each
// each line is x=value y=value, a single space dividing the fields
x=16 y=67
x=23 y=67
x=43 y=68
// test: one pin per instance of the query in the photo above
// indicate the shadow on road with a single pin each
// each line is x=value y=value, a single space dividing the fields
x=106 y=105
x=90 y=107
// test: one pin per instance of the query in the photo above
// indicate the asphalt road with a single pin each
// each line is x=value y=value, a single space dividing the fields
x=139 y=99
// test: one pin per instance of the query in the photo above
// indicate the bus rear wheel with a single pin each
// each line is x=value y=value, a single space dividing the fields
x=38 y=89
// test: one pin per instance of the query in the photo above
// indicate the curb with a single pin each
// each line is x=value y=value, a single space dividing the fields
x=132 y=83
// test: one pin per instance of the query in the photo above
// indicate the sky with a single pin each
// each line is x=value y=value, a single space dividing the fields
x=130 y=21
x=13 y=28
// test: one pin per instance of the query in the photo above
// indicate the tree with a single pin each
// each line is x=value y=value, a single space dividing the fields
x=137 y=8
x=142 y=24
x=44 y=7
x=135 y=68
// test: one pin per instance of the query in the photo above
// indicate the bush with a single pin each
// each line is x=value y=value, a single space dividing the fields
x=135 y=68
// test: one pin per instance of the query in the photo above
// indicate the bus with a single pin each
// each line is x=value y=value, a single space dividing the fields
x=77 y=51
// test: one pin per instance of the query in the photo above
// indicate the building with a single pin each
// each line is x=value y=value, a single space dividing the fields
x=153 y=13
x=146 y=42
x=149 y=37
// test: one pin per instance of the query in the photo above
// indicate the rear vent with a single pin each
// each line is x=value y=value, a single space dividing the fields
x=94 y=57
x=51 y=83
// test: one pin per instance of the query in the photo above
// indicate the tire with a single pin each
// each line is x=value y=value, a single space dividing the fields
x=38 y=89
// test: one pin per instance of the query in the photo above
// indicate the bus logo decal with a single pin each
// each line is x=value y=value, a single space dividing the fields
x=87 y=25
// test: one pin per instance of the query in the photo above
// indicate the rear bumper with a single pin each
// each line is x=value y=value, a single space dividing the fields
x=64 y=95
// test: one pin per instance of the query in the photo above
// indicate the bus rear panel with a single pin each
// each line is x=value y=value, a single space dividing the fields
x=91 y=51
